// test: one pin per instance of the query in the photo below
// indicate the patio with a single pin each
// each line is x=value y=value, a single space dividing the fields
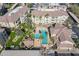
x=28 y=42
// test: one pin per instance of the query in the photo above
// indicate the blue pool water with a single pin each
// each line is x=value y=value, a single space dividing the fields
x=37 y=36
x=44 y=34
x=44 y=40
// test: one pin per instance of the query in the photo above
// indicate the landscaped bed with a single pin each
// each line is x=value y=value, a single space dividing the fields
x=76 y=40
x=17 y=36
x=9 y=41
x=14 y=39
x=9 y=5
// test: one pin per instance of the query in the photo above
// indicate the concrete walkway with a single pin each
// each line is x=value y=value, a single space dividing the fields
x=20 y=53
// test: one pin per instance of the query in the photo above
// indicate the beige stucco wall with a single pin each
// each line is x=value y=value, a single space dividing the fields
x=48 y=20
x=65 y=46
x=3 y=24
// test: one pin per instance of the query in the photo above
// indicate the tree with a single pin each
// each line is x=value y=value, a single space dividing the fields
x=11 y=37
x=30 y=5
x=75 y=9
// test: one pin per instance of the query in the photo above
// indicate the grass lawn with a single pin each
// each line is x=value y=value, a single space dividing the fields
x=9 y=41
x=16 y=36
x=13 y=40
x=19 y=39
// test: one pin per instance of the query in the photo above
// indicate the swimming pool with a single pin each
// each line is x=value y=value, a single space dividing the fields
x=37 y=35
x=44 y=40
x=44 y=35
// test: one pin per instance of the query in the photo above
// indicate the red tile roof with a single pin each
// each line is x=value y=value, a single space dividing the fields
x=57 y=29
x=65 y=36
x=62 y=32
x=50 y=13
x=14 y=16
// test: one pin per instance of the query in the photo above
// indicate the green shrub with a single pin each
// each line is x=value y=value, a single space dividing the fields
x=11 y=37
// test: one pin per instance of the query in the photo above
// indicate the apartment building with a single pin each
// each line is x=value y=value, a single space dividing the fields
x=62 y=37
x=14 y=17
x=50 y=6
x=49 y=17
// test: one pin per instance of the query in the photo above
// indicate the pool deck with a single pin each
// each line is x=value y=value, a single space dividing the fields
x=41 y=28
